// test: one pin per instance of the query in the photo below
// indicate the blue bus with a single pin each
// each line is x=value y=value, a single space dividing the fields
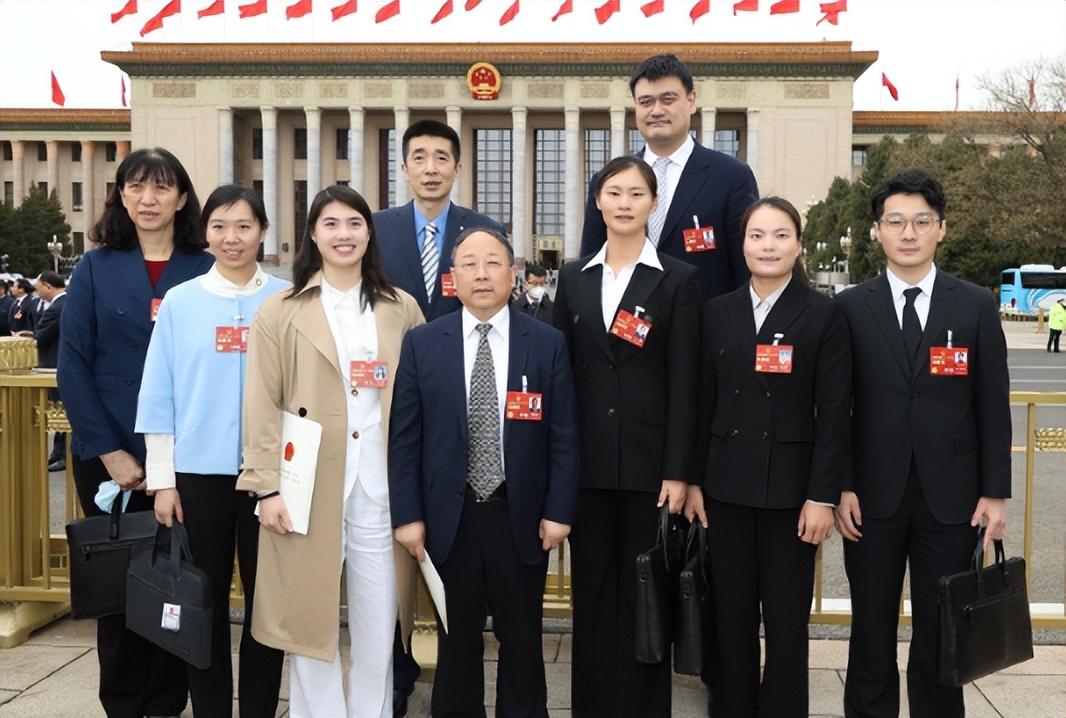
x=1030 y=287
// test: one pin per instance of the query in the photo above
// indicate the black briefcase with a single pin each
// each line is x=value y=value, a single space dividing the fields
x=656 y=591
x=984 y=618
x=693 y=625
x=168 y=600
x=101 y=548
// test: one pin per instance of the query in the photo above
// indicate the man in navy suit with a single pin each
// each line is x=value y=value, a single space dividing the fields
x=416 y=240
x=52 y=289
x=701 y=191
x=483 y=475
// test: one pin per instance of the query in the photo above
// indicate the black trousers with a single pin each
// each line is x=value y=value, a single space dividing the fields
x=219 y=520
x=482 y=569
x=875 y=566
x=759 y=569
x=607 y=682
x=136 y=677
x=1054 y=335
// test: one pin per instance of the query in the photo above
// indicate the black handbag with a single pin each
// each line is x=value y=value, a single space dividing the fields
x=692 y=632
x=101 y=548
x=168 y=601
x=657 y=575
x=984 y=618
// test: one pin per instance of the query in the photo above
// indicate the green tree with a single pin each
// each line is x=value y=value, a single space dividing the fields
x=26 y=231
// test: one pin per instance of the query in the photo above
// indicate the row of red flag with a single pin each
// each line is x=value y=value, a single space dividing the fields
x=830 y=10
x=58 y=98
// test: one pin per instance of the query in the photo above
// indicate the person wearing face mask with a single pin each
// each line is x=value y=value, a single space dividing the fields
x=775 y=393
x=189 y=411
x=327 y=351
x=535 y=301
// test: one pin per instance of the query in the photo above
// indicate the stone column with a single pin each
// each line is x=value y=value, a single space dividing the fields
x=753 y=141
x=225 y=145
x=52 y=149
x=356 y=118
x=314 y=151
x=88 y=189
x=122 y=150
x=270 y=182
x=402 y=120
x=572 y=196
x=18 y=170
x=708 y=118
x=523 y=247
x=455 y=121
x=618 y=132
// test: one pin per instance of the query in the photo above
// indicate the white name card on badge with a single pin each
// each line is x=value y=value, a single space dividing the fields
x=300 y=440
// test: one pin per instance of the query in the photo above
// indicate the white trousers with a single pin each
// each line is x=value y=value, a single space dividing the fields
x=316 y=688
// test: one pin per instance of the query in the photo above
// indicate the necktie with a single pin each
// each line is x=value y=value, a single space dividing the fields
x=430 y=259
x=657 y=218
x=912 y=328
x=484 y=468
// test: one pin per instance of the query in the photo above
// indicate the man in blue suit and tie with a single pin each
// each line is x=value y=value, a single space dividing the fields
x=483 y=475
x=416 y=240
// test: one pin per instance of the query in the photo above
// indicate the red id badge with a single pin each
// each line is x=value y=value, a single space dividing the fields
x=773 y=358
x=231 y=339
x=154 y=311
x=949 y=361
x=632 y=328
x=369 y=374
x=522 y=406
x=699 y=239
x=447 y=285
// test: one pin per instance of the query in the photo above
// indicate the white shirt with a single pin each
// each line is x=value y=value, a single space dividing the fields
x=612 y=286
x=499 y=343
x=216 y=284
x=921 y=302
x=761 y=307
x=673 y=170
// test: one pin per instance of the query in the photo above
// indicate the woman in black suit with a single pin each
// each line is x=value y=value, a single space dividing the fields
x=775 y=398
x=631 y=319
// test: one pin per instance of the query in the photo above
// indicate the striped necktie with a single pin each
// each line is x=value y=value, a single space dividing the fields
x=430 y=258
x=658 y=216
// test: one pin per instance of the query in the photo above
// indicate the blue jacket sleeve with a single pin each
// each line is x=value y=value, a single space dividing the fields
x=405 y=441
x=155 y=402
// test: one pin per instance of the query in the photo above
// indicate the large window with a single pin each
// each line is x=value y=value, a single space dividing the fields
x=858 y=156
x=257 y=143
x=597 y=151
x=387 y=168
x=492 y=174
x=75 y=152
x=342 y=143
x=548 y=181
x=42 y=152
x=9 y=193
x=79 y=242
x=727 y=141
x=7 y=150
x=299 y=143
x=634 y=141
x=75 y=196
x=110 y=151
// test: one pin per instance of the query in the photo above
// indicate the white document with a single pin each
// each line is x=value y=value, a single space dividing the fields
x=300 y=440
x=436 y=589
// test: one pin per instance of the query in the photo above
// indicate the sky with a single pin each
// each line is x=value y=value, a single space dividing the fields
x=924 y=45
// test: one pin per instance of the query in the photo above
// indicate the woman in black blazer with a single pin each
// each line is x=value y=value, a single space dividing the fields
x=774 y=405
x=637 y=386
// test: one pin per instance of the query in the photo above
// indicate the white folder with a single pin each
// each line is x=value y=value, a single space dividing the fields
x=436 y=589
x=300 y=440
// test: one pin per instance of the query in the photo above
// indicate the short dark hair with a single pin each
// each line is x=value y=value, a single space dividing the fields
x=783 y=205
x=228 y=195
x=309 y=260
x=116 y=230
x=465 y=234
x=621 y=164
x=431 y=128
x=52 y=279
x=536 y=270
x=911 y=181
x=657 y=67
x=25 y=285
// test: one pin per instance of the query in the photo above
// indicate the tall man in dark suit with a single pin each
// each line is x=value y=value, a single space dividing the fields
x=931 y=434
x=52 y=289
x=534 y=300
x=23 y=314
x=702 y=192
x=417 y=238
x=483 y=475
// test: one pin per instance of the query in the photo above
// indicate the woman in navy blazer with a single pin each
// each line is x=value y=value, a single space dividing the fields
x=774 y=413
x=150 y=241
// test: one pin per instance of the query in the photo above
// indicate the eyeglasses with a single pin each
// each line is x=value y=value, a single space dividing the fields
x=923 y=223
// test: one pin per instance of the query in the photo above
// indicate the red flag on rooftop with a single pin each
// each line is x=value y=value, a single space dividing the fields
x=171 y=8
x=701 y=8
x=252 y=9
x=510 y=13
x=831 y=12
x=297 y=9
x=387 y=11
x=124 y=103
x=746 y=6
x=565 y=9
x=654 y=7
x=343 y=9
x=218 y=7
x=785 y=6
x=891 y=88
x=471 y=4
x=57 y=93
x=128 y=9
x=445 y=11
x=604 y=12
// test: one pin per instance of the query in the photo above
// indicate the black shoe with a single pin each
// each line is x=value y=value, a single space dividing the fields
x=57 y=465
x=399 y=701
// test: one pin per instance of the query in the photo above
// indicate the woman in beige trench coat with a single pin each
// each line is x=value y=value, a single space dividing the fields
x=313 y=351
